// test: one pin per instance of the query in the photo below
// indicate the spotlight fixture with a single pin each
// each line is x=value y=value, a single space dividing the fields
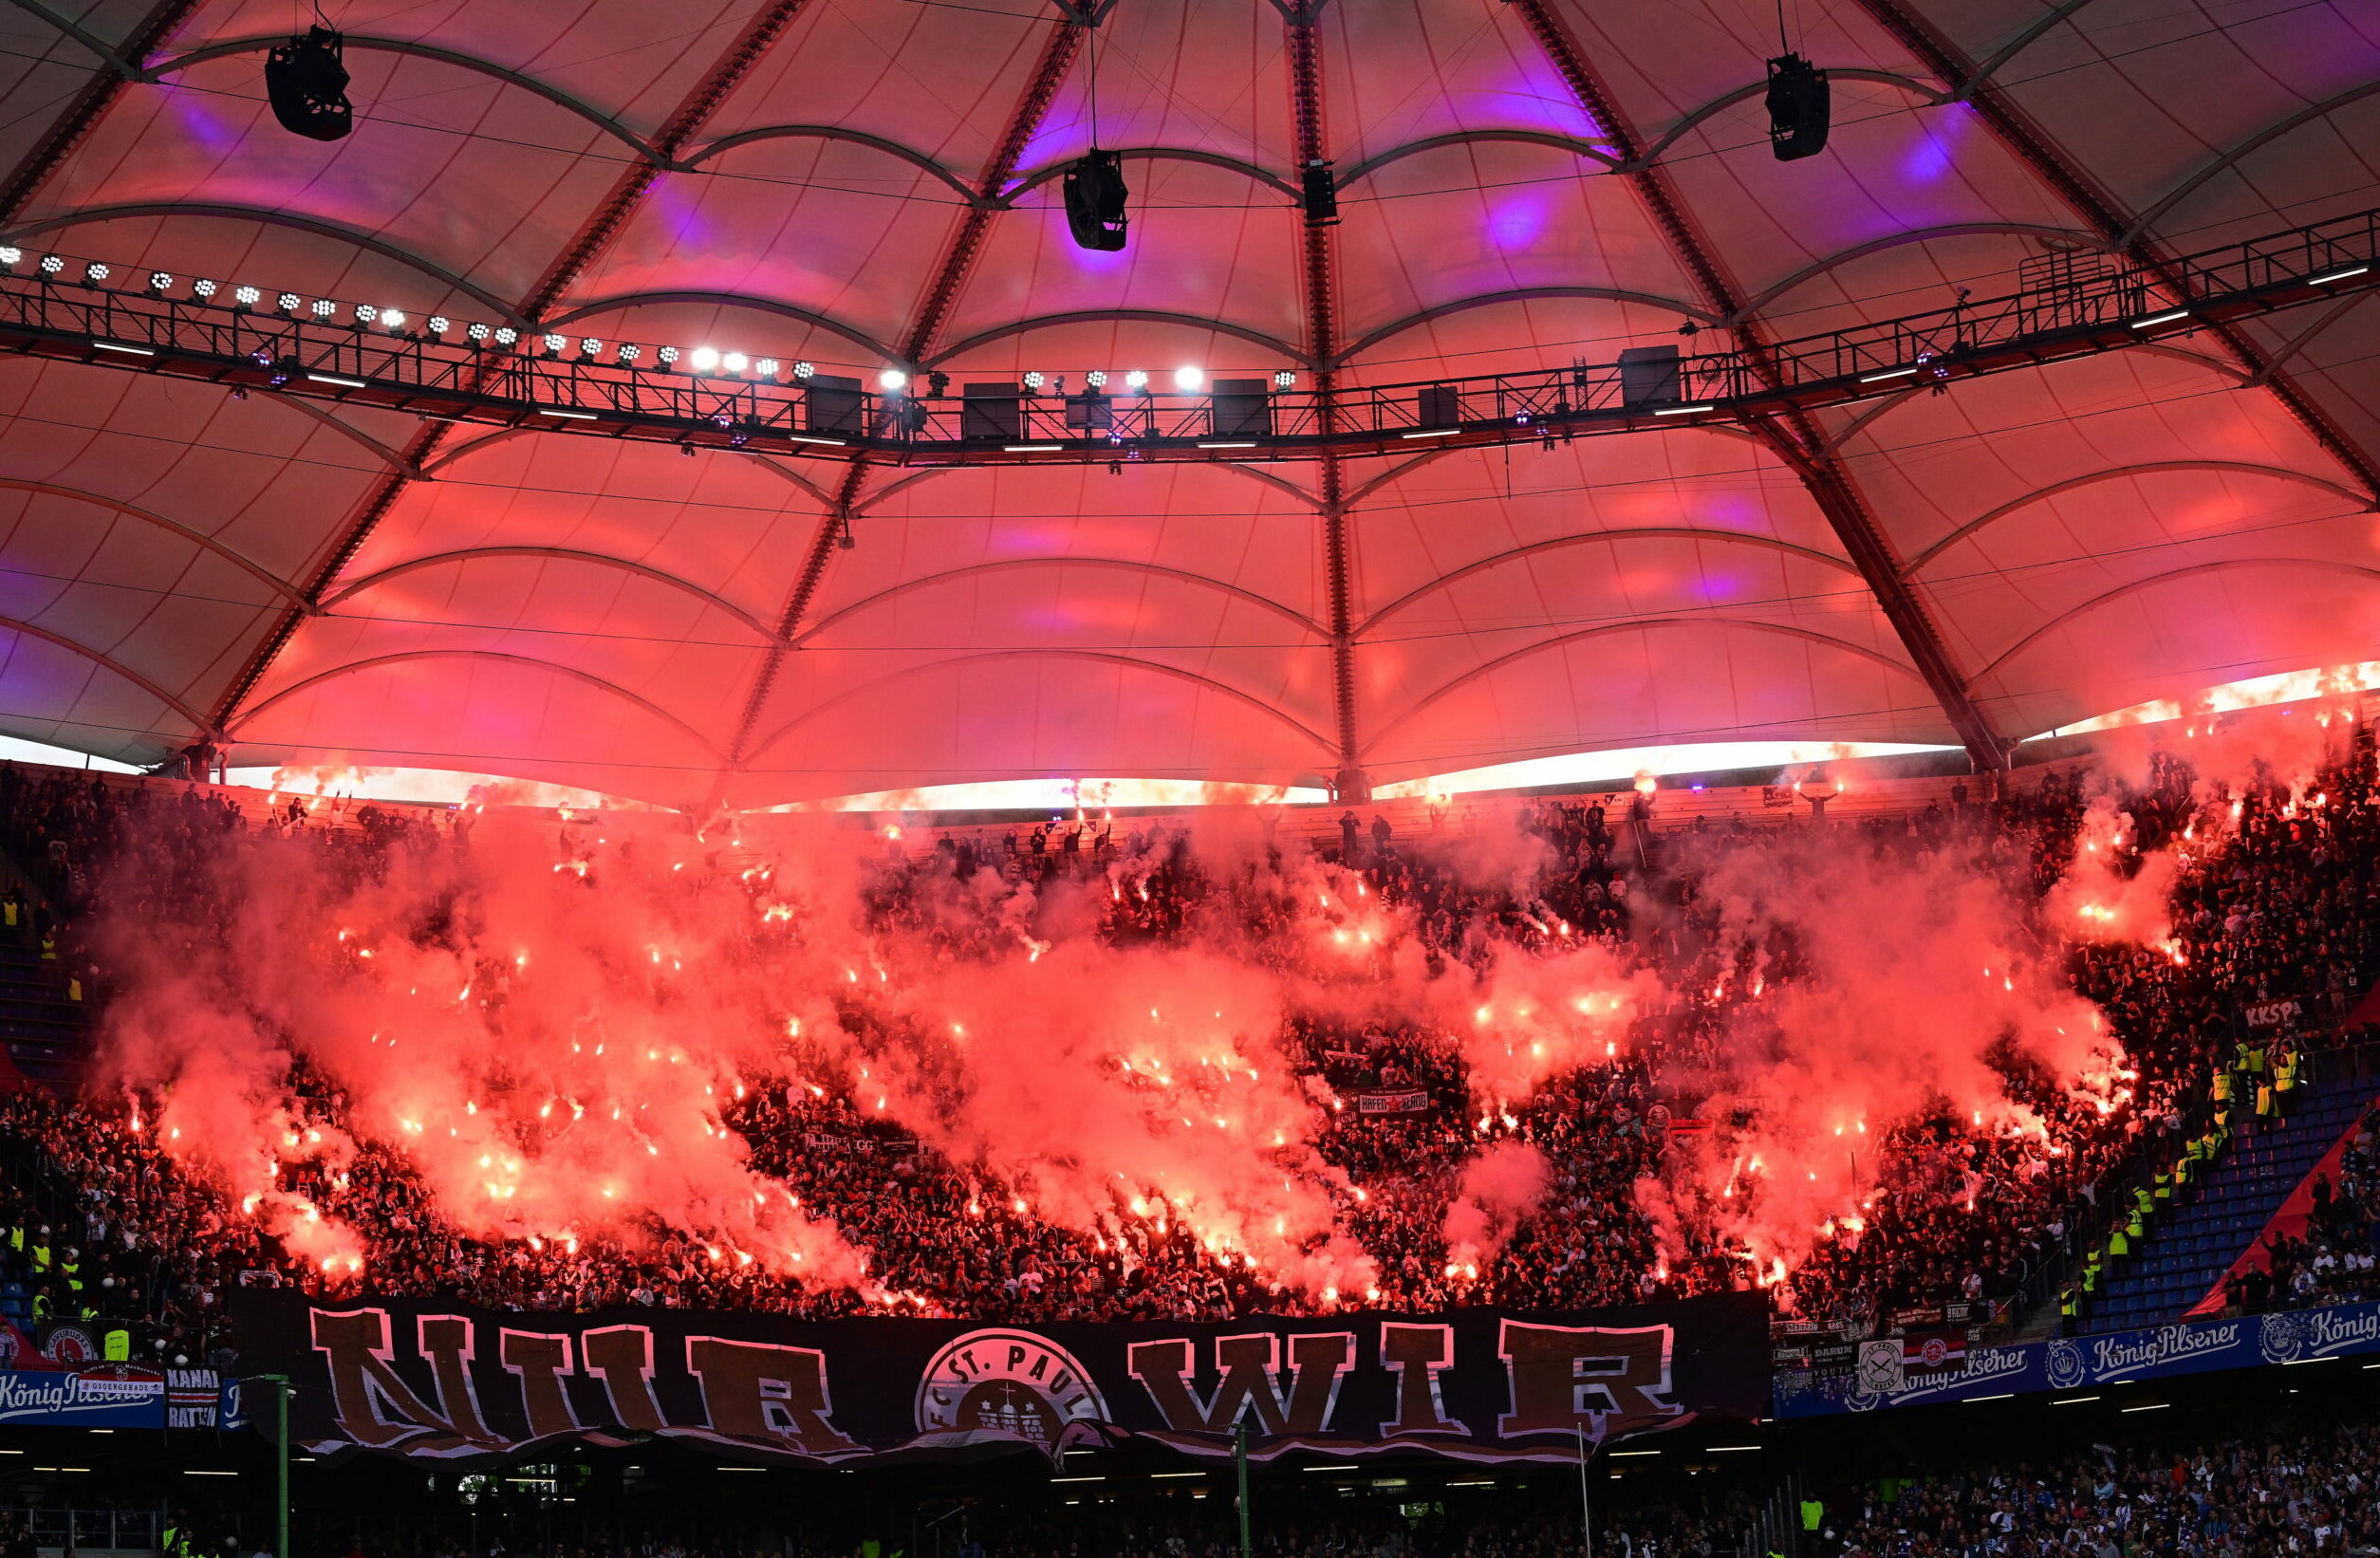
x=1095 y=194
x=703 y=359
x=734 y=362
x=804 y=370
x=1034 y=380
x=365 y=313
x=1096 y=378
x=9 y=255
x=52 y=264
x=203 y=288
x=666 y=356
x=159 y=281
x=506 y=335
x=393 y=318
x=589 y=347
x=766 y=368
x=440 y=324
x=247 y=297
x=1799 y=111
x=476 y=332
x=1187 y=380
x=306 y=81
x=324 y=307
x=555 y=344
x=289 y=303
x=892 y=380
x=95 y=272
x=630 y=352
x=1285 y=380
x=938 y=383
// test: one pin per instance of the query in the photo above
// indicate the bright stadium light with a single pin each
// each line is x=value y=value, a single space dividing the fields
x=1188 y=379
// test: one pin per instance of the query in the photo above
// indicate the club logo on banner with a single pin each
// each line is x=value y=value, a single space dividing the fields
x=1010 y=1382
x=454 y=1384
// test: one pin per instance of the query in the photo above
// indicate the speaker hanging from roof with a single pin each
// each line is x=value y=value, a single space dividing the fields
x=306 y=81
x=1095 y=200
x=1799 y=108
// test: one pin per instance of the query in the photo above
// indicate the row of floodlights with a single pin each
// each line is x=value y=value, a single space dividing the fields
x=701 y=360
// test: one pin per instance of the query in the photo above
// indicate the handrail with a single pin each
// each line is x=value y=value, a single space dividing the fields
x=140 y=321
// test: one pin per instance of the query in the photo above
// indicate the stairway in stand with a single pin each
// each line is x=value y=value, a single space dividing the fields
x=46 y=1033
x=2188 y=1252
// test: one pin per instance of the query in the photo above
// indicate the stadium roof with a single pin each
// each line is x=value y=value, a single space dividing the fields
x=872 y=183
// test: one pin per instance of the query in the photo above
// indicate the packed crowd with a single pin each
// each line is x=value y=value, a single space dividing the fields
x=2305 y=1495
x=2277 y=901
x=2336 y=1258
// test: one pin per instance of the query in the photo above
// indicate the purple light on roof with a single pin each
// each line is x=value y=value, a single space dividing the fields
x=191 y=112
x=1518 y=222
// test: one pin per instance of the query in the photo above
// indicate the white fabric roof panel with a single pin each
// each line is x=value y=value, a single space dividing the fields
x=805 y=178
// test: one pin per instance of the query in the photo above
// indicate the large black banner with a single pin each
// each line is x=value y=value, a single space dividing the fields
x=450 y=1383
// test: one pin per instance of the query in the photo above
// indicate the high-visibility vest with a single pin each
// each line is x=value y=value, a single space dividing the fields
x=2222 y=1086
x=2264 y=1100
x=2067 y=1300
x=72 y=1272
x=2182 y=1167
x=2138 y=1227
x=41 y=1258
x=2256 y=1060
x=2165 y=1184
x=2285 y=1074
x=2118 y=1245
x=1814 y=1515
x=115 y=1346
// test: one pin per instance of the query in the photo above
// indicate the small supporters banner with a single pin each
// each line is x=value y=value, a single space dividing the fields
x=454 y=1384
x=1404 y=1101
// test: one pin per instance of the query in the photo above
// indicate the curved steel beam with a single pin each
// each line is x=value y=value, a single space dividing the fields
x=2144 y=468
x=2182 y=191
x=1393 y=475
x=729 y=300
x=396 y=459
x=82 y=35
x=828 y=132
x=291 y=221
x=1521 y=294
x=1728 y=99
x=1752 y=305
x=430 y=467
x=566 y=554
x=1004 y=565
x=861 y=506
x=1858 y=424
x=197 y=538
x=1192 y=677
x=198 y=721
x=1576 y=146
x=825 y=499
x=2138 y=585
x=587 y=677
x=1159 y=154
x=1607 y=629
x=1649 y=533
x=1258 y=473
x=588 y=111
x=1120 y=316
x=1991 y=63
x=2304 y=338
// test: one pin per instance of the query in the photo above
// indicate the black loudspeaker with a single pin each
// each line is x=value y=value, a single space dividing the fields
x=1437 y=405
x=831 y=403
x=1649 y=377
x=1243 y=408
x=1095 y=200
x=1799 y=109
x=1321 y=194
x=1090 y=412
x=305 y=79
x=991 y=411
